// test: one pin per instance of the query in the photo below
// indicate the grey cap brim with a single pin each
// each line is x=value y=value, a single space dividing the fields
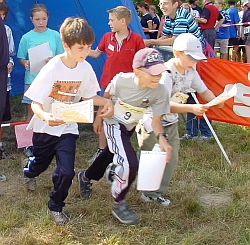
x=156 y=69
x=196 y=56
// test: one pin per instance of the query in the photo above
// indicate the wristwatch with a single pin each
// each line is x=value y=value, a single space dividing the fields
x=162 y=134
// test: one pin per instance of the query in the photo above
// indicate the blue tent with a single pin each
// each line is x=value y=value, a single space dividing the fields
x=94 y=11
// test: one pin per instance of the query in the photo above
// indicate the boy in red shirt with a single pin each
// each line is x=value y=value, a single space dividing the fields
x=120 y=46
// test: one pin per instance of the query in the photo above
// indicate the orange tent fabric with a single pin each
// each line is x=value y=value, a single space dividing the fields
x=216 y=73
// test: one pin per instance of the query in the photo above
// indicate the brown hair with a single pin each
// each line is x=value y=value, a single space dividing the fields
x=121 y=12
x=4 y=7
x=76 y=30
x=38 y=8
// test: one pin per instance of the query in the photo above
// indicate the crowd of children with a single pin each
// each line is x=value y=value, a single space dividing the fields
x=133 y=77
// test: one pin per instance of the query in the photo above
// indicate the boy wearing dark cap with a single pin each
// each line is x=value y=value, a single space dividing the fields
x=131 y=93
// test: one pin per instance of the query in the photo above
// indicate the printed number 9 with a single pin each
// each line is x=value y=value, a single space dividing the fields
x=127 y=115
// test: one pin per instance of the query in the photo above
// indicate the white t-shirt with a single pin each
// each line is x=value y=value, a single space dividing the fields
x=56 y=82
x=182 y=83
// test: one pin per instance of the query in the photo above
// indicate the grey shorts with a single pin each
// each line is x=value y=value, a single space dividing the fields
x=26 y=100
x=247 y=39
x=221 y=45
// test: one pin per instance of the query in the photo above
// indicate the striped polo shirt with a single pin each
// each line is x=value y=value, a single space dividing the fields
x=182 y=23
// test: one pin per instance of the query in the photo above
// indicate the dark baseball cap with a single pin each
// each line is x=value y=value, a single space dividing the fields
x=150 y=59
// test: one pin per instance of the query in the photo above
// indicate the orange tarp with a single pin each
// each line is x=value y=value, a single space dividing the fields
x=216 y=73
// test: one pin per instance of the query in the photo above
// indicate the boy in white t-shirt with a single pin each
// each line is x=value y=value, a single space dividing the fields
x=67 y=78
x=187 y=51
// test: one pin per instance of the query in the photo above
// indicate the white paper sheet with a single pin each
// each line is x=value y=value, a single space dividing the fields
x=82 y=112
x=230 y=91
x=37 y=56
x=150 y=172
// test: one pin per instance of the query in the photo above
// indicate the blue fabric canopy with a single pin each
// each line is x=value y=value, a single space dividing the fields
x=94 y=11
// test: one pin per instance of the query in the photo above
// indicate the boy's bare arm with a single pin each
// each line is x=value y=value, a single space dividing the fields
x=162 y=41
x=95 y=53
x=37 y=108
x=158 y=130
x=208 y=95
x=197 y=109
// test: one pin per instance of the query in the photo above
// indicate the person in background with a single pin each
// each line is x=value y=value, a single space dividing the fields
x=146 y=19
x=195 y=8
x=234 y=30
x=209 y=21
x=7 y=114
x=174 y=15
x=67 y=78
x=39 y=35
x=241 y=54
x=120 y=46
x=194 y=13
x=245 y=34
x=4 y=60
x=156 y=21
x=222 y=33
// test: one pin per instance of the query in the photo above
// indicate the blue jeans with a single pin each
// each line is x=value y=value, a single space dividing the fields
x=193 y=124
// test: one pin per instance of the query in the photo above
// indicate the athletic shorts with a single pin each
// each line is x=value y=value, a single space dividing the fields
x=222 y=46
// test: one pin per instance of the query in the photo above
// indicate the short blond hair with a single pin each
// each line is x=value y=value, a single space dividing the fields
x=184 y=5
x=76 y=30
x=121 y=12
x=220 y=1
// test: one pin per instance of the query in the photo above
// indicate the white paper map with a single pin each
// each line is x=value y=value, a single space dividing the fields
x=37 y=56
x=230 y=91
x=82 y=112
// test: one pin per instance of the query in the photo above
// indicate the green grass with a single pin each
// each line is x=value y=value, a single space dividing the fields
x=210 y=199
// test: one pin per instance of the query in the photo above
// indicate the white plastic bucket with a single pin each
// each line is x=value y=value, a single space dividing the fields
x=151 y=168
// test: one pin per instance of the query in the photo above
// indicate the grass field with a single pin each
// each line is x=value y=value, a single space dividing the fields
x=210 y=199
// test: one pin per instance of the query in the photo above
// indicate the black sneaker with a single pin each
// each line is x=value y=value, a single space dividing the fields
x=122 y=212
x=5 y=155
x=28 y=151
x=84 y=186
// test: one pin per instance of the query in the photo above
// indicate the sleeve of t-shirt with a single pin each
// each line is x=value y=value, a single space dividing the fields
x=113 y=83
x=102 y=43
x=161 y=105
x=41 y=87
x=205 y=14
x=12 y=50
x=140 y=43
x=220 y=16
x=59 y=46
x=236 y=16
x=197 y=84
x=166 y=30
x=22 y=52
x=91 y=87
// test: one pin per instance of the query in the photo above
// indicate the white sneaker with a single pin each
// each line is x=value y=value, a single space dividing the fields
x=161 y=200
x=2 y=177
x=59 y=217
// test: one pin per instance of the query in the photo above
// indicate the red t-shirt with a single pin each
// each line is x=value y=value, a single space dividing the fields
x=119 y=59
